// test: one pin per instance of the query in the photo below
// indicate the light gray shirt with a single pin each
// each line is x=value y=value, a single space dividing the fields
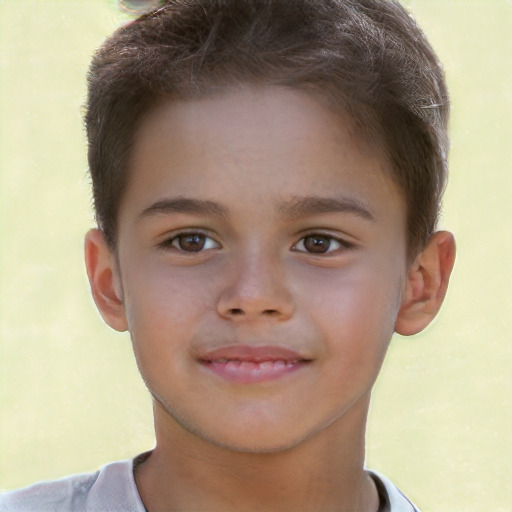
x=112 y=489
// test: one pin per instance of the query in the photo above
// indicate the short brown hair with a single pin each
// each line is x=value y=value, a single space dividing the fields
x=367 y=57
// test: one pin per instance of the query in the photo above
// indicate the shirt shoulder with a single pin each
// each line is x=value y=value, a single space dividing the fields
x=110 y=489
x=397 y=500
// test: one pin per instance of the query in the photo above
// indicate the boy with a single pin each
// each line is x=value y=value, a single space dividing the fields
x=267 y=178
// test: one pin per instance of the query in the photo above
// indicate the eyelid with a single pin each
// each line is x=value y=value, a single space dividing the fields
x=344 y=244
x=168 y=239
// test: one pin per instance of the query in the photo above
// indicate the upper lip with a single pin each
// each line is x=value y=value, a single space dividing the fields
x=250 y=353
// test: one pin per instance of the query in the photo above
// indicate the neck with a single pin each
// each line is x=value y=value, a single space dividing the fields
x=324 y=472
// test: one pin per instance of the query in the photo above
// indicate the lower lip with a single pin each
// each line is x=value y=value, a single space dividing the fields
x=248 y=372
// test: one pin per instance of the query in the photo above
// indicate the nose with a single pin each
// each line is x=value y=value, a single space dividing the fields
x=256 y=288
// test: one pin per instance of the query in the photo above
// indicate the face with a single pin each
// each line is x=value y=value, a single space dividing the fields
x=261 y=262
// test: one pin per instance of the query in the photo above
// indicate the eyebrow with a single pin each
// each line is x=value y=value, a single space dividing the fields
x=312 y=205
x=185 y=205
x=294 y=207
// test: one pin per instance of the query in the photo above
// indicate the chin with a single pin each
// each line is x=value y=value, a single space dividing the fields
x=248 y=436
x=256 y=444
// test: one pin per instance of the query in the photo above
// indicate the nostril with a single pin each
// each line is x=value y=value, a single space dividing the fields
x=270 y=312
x=236 y=311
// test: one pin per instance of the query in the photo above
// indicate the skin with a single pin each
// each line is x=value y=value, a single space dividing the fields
x=302 y=244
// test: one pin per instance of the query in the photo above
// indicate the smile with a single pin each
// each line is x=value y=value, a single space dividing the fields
x=246 y=364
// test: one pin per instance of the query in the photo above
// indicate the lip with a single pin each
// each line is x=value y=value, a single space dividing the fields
x=246 y=364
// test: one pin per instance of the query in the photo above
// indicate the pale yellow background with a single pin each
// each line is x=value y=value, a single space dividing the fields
x=71 y=398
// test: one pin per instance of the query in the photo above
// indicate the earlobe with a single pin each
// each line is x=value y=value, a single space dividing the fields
x=104 y=280
x=427 y=282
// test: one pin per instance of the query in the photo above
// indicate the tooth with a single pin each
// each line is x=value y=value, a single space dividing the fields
x=233 y=365
x=247 y=365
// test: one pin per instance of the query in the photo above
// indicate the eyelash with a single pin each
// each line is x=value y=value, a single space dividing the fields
x=339 y=243
x=300 y=246
x=174 y=241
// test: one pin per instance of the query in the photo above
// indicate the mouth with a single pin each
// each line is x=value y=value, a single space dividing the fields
x=248 y=364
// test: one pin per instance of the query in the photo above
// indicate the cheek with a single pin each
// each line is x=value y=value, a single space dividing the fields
x=359 y=330
x=355 y=309
x=164 y=304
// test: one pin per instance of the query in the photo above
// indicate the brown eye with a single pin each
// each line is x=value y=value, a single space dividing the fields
x=317 y=244
x=191 y=242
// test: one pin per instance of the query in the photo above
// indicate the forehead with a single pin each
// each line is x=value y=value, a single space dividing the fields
x=254 y=146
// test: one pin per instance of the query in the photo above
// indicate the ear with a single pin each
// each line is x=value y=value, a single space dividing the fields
x=103 y=273
x=427 y=282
